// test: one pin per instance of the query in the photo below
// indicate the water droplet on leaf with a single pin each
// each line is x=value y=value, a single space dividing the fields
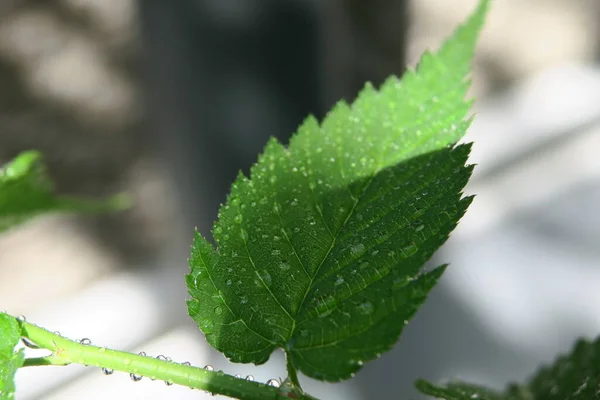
x=410 y=249
x=357 y=249
x=273 y=382
x=284 y=266
x=107 y=371
x=366 y=308
x=209 y=367
x=266 y=277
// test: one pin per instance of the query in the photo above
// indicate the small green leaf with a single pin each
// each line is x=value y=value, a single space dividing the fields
x=10 y=360
x=572 y=377
x=26 y=191
x=320 y=252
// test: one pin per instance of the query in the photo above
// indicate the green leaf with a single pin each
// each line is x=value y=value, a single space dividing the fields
x=572 y=377
x=457 y=391
x=26 y=191
x=10 y=360
x=320 y=251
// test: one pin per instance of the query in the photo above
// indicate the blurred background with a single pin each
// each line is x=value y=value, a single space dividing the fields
x=167 y=100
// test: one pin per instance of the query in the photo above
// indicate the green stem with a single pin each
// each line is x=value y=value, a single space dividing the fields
x=66 y=351
x=292 y=373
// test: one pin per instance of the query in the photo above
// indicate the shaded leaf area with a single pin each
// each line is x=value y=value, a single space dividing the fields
x=320 y=250
x=26 y=191
x=575 y=376
x=10 y=360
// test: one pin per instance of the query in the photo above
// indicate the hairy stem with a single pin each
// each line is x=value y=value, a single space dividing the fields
x=66 y=351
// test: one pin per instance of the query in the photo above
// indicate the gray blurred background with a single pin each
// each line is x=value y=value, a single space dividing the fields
x=169 y=99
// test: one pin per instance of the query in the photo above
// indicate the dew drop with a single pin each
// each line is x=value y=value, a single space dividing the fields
x=228 y=283
x=209 y=367
x=276 y=238
x=21 y=318
x=127 y=361
x=284 y=266
x=107 y=371
x=168 y=383
x=266 y=278
x=363 y=265
x=357 y=249
x=296 y=230
x=102 y=350
x=187 y=364
x=253 y=204
x=274 y=383
x=142 y=353
x=250 y=378
x=218 y=310
x=238 y=218
x=358 y=363
x=419 y=228
x=275 y=252
x=410 y=249
x=374 y=252
x=339 y=281
x=237 y=376
x=135 y=377
x=366 y=308
x=218 y=230
x=244 y=300
x=85 y=342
